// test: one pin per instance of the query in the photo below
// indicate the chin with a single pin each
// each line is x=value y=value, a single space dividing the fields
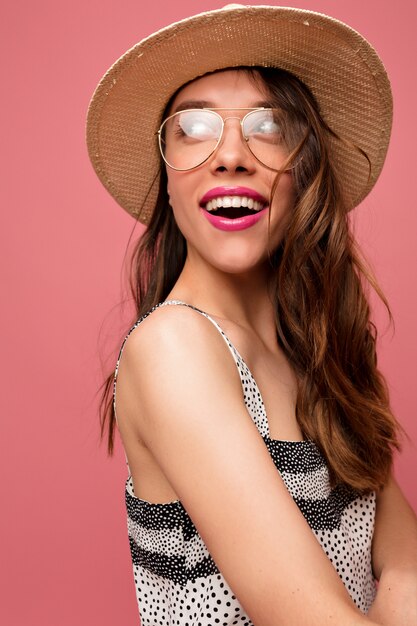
x=238 y=264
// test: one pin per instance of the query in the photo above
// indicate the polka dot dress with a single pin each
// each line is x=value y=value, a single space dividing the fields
x=178 y=583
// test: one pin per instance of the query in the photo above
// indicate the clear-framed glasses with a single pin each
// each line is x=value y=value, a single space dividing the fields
x=188 y=138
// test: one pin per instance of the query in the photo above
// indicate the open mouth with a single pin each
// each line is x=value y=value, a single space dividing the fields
x=232 y=207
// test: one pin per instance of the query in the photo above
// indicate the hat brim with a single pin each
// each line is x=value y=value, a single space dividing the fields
x=339 y=66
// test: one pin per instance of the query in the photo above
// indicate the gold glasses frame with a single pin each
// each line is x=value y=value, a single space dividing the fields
x=250 y=110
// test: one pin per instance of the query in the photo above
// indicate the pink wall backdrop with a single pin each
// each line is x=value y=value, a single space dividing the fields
x=64 y=554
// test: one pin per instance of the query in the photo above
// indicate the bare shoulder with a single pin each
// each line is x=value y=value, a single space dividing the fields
x=178 y=351
x=174 y=333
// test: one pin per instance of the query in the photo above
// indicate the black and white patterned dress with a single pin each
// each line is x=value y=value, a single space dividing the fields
x=178 y=583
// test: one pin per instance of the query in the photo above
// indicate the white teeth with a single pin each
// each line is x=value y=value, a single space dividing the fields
x=234 y=201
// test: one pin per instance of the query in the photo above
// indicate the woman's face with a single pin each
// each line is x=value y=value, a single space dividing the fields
x=230 y=245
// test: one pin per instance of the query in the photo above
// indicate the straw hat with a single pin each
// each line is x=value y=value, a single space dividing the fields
x=339 y=66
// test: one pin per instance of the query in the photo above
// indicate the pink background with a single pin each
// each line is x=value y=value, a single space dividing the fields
x=64 y=555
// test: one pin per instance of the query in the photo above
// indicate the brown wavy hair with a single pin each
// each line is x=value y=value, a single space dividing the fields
x=318 y=281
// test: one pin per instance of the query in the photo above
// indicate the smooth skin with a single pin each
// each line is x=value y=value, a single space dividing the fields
x=186 y=430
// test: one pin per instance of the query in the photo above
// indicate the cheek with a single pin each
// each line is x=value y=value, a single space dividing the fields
x=177 y=189
x=182 y=194
x=284 y=198
x=181 y=199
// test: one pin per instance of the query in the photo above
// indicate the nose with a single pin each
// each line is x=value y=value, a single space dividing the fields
x=232 y=154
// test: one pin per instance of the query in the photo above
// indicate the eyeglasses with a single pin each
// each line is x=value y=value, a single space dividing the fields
x=188 y=138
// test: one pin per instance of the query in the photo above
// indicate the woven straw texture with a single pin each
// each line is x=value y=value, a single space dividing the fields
x=339 y=66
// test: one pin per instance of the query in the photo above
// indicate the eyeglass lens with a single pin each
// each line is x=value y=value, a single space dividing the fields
x=188 y=138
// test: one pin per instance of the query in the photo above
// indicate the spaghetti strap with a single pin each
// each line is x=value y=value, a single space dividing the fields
x=251 y=394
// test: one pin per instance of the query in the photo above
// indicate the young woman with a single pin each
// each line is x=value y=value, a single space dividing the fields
x=256 y=425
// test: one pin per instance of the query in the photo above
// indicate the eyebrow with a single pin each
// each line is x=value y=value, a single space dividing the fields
x=206 y=104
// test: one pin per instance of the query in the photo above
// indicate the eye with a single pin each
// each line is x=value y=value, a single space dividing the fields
x=200 y=125
x=264 y=123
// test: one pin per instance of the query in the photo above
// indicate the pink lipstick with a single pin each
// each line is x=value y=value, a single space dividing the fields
x=233 y=208
x=218 y=192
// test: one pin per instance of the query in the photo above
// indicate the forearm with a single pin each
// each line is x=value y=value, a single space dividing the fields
x=395 y=559
x=394 y=545
x=396 y=600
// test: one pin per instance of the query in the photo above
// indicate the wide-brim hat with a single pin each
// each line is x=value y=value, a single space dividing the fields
x=340 y=67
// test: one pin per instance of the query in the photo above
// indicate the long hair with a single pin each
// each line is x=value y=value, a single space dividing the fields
x=318 y=283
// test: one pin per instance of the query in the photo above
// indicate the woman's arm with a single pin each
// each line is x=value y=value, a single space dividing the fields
x=394 y=557
x=179 y=391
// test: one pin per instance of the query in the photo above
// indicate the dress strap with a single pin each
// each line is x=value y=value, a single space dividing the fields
x=251 y=394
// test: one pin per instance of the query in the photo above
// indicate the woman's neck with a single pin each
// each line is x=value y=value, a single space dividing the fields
x=243 y=299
